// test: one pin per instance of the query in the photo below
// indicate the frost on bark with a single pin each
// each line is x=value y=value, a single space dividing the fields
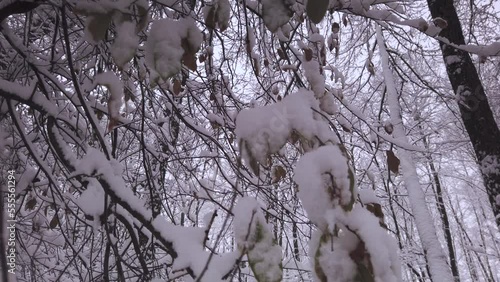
x=473 y=104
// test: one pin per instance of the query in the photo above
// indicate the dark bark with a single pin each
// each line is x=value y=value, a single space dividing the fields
x=17 y=7
x=473 y=104
x=444 y=216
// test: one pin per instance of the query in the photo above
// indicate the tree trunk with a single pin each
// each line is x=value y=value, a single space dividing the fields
x=438 y=191
x=434 y=254
x=473 y=104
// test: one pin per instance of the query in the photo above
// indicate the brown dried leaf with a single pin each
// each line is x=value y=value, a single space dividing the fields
x=392 y=162
x=323 y=55
x=389 y=128
x=112 y=123
x=440 y=22
x=30 y=205
x=316 y=10
x=189 y=60
x=176 y=87
x=202 y=58
x=54 y=222
x=189 y=56
x=294 y=137
x=371 y=68
x=344 y=19
x=256 y=66
x=308 y=54
x=278 y=173
x=335 y=27
x=423 y=25
x=281 y=54
x=254 y=165
x=345 y=128
x=97 y=25
x=210 y=20
x=143 y=18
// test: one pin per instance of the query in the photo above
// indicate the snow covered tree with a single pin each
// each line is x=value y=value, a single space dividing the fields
x=271 y=140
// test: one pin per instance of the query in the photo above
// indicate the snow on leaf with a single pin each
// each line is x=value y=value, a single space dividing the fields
x=276 y=13
x=169 y=43
x=217 y=14
x=254 y=238
x=331 y=262
x=325 y=181
x=91 y=201
x=125 y=44
x=116 y=95
x=264 y=130
x=313 y=74
x=381 y=247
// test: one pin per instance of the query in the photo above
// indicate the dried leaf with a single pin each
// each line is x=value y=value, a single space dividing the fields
x=99 y=114
x=30 y=205
x=54 y=222
x=440 y=22
x=189 y=60
x=278 y=174
x=256 y=66
x=335 y=27
x=202 y=58
x=323 y=55
x=214 y=125
x=254 y=165
x=176 y=87
x=97 y=25
x=345 y=128
x=112 y=123
x=276 y=13
x=281 y=54
x=423 y=25
x=210 y=19
x=129 y=95
x=392 y=162
x=308 y=54
x=143 y=18
x=294 y=137
x=376 y=209
x=316 y=10
x=189 y=56
x=344 y=19
x=389 y=128
x=371 y=68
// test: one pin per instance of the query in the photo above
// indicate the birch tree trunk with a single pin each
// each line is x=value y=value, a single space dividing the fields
x=437 y=262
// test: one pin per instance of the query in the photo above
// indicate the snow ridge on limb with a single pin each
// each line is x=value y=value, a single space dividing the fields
x=439 y=269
